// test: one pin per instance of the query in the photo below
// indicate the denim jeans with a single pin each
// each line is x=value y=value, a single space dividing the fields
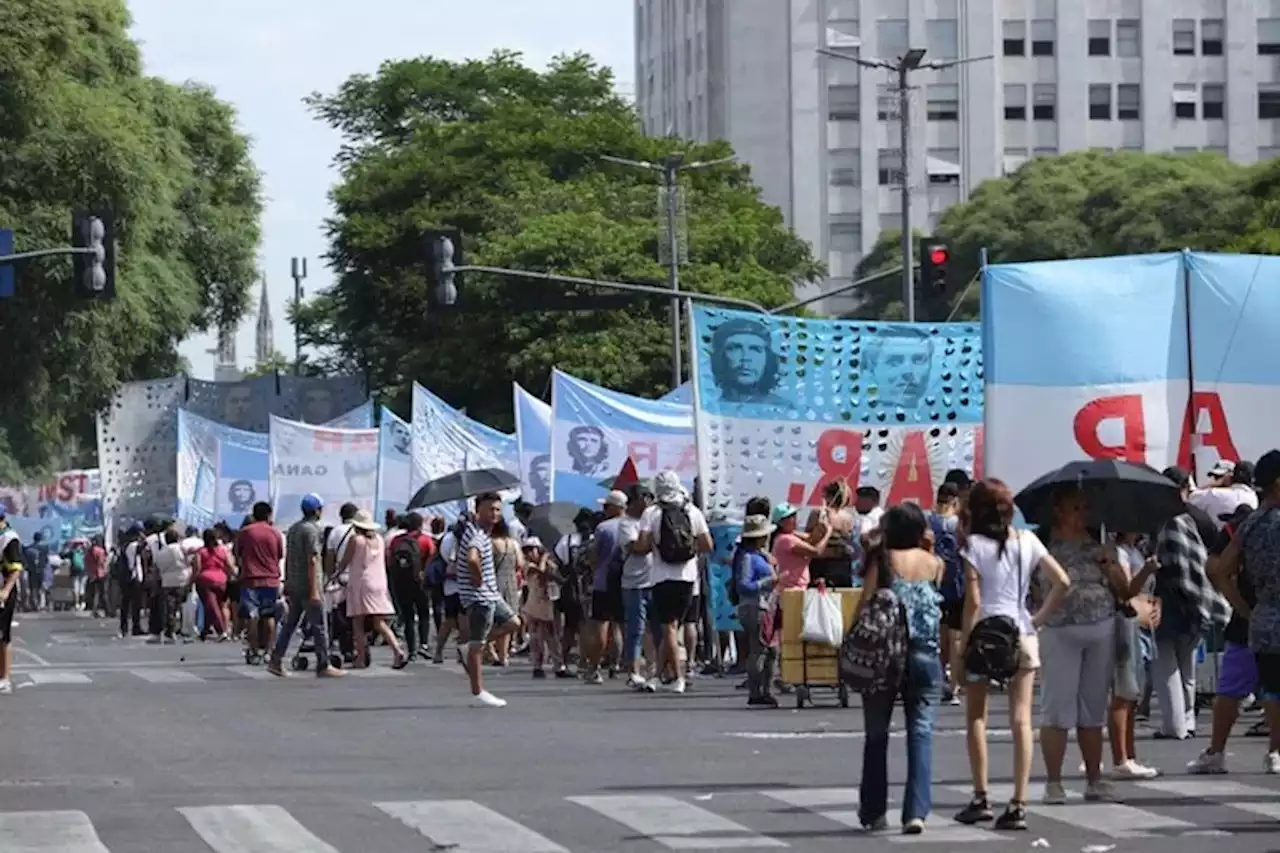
x=301 y=608
x=635 y=610
x=920 y=697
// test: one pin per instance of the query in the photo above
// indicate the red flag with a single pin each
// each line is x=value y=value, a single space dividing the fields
x=626 y=477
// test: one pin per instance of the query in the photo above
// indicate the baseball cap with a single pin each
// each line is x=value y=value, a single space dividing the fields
x=1222 y=468
x=783 y=510
x=312 y=502
x=532 y=542
x=1267 y=471
x=615 y=499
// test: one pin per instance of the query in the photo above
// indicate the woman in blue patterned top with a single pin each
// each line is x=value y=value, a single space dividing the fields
x=901 y=562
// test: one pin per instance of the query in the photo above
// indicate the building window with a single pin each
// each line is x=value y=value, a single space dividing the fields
x=1128 y=38
x=943 y=165
x=1015 y=102
x=1100 y=102
x=943 y=102
x=1099 y=38
x=845 y=166
x=1269 y=100
x=845 y=238
x=1015 y=38
x=1128 y=101
x=842 y=103
x=1184 y=37
x=1211 y=35
x=1184 y=100
x=688 y=55
x=942 y=38
x=890 y=169
x=701 y=55
x=891 y=38
x=886 y=102
x=1268 y=36
x=1044 y=101
x=1213 y=96
x=1043 y=32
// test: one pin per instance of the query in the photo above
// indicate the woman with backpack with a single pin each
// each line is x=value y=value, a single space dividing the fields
x=999 y=637
x=900 y=565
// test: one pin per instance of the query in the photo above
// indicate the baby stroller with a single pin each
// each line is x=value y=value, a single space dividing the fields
x=338 y=625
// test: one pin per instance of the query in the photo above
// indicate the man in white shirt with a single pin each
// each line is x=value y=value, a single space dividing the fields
x=339 y=538
x=1230 y=486
x=674 y=532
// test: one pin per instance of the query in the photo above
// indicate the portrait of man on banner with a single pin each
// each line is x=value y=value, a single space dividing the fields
x=588 y=451
x=539 y=479
x=744 y=363
x=898 y=368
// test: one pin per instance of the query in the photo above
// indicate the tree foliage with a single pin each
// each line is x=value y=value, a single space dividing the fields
x=81 y=126
x=513 y=157
x=1092 y=204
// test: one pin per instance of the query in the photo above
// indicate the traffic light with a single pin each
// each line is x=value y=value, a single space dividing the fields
x=95 y=270
x=935 y=264
x=444 y=253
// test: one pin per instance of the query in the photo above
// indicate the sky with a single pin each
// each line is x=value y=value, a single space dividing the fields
x=264 y=58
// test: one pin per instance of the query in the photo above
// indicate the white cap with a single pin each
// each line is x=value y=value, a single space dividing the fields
x=1222 y=468
x=616 y=498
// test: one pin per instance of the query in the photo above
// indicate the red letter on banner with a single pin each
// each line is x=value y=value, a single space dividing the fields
x=327 y=440
x=1126 y=408
x=1219 y=434
x=832 y=468
x=644 y=454
x=912 y=480
x=688 y=459
x=979 y=452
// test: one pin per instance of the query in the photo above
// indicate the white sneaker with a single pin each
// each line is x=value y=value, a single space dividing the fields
x=594 y=678
x=1054 y=794
x=1271 y=764
x=1208 y=764
x=1100 y=792
x=485 y=699
x=651 y=686
x=677 y=686
x=1133 y=770
x=6 y=686
x=635 y=682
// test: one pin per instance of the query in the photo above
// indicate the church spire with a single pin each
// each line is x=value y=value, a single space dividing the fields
x=264 y=348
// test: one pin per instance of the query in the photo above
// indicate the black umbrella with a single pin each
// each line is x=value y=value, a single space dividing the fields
x=550 y=522
x=1123 y=497
x=461 y=485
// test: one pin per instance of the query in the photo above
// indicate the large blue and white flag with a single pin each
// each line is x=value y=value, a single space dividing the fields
x=445 y=441
x=594 y=431
x=339 y=465
x=533 y=434
x=395 y=462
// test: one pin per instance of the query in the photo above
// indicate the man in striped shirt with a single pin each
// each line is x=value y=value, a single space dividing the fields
x=488 y=616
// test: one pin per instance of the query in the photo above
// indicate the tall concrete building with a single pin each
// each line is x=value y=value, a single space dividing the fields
x=821 y=134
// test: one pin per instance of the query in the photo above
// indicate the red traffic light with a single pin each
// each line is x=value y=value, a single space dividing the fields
x=938 y=255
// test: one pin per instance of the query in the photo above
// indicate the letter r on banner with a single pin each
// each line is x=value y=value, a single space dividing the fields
x=830 y=445
x=1128 y=410
x=328 y=441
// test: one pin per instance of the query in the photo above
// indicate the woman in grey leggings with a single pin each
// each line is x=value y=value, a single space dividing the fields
x=1077 y=645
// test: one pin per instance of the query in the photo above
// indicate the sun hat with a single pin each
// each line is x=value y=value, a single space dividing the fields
x=615 y=498
x=782 y=511
x=364 y=521
x=531 y=542
x=756 y=527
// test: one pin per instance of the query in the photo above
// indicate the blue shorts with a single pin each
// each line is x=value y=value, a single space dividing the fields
x=1238 y=674
x=261 y=601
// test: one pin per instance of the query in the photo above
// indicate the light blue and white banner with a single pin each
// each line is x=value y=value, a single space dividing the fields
x=395 y=463
x=594 y=431
x=682 y=394
x=533 y=432
x=1162 y=359
x=339 y=465
x=786 y=406
x=223 y=471
x=445 y=441
x=67 y=506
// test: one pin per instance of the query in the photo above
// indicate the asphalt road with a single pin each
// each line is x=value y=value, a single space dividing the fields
x=120 y=746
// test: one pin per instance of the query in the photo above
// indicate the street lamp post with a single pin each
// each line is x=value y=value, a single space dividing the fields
x=671 y=167
x=298 y=270
x=912 y=60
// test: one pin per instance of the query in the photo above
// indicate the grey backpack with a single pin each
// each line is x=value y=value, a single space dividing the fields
x=873 y=656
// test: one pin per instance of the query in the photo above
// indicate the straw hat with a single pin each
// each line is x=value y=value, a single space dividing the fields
x=364 y=521
x=756 y=527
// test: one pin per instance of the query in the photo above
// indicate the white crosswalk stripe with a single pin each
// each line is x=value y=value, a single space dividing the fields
x=464 y=826
x=167 y=676
x=252 y=829
x=48 y=832
x=670 y=821
x=676 y=824
x=58 y=676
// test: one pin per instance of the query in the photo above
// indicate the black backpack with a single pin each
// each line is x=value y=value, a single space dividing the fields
x=995 y=643
x=676 y=542
x=873 y=655
x=406 y=557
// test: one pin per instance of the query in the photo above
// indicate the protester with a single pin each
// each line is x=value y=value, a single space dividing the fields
x=304 y=589
x=487 y=614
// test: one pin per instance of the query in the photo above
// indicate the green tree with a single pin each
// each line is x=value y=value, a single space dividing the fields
x=513 y=157
x=80 y=125
x=1079 y=205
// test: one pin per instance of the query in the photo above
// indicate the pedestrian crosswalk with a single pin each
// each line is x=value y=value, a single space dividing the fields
x=1179 y=808
x=169 y=676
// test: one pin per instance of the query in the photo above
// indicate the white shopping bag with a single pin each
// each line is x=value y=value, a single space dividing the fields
x=189 y=609
x=823 y=621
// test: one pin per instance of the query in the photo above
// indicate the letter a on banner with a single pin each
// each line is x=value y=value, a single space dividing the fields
x=1128 y=410
x=1206 y=406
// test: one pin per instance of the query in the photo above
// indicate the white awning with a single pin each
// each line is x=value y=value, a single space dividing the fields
x=837 y=39
x=942 y=167
x=1185 y=96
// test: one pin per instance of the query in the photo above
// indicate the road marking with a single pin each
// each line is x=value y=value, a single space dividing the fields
x=675 y=824
x=49 y=832
x=897 y=734
x=167 y=676
x=1245 y=798
x=39 y=661
x=1112 y=819
x=821 y=801
x=465 y=826
x=255 y=672
x=252 y=829
x=57 y=677
x=378 y=672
